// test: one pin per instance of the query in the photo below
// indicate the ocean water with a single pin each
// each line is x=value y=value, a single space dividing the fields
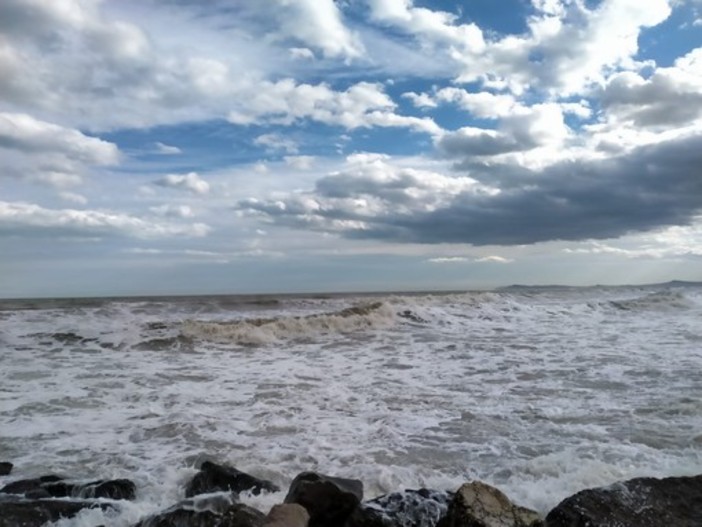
x=541 y=392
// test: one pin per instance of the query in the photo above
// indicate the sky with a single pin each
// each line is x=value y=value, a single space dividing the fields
x=156 y=147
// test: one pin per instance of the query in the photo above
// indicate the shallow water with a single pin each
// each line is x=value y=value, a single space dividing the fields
x=542 y=392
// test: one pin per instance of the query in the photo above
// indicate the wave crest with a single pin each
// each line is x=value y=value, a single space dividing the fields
x=655 y=301
x=254 y=331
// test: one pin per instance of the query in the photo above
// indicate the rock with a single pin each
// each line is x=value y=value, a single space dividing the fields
x=328 y=500
x=24 y=486
x=287 y=515
x=477 y=504
x=219 y=511
x=411 y=508
x=241 y=515
x=16 y=512
x=5 y=468
x=217 y=478
x=640 y=502
x=57 y=487
x=116 y=489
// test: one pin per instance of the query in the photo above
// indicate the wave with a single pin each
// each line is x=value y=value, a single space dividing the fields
x=252 y=331
x=660 y=300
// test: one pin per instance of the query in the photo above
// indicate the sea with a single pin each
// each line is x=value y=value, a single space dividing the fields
x=540 y=391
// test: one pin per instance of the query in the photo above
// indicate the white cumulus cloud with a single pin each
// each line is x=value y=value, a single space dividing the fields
x=191 y=182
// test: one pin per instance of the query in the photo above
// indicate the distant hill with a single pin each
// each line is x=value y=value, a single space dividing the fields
x=547 y=287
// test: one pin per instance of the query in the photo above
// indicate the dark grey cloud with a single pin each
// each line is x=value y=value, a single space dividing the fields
x=480 y=143
x=651 y=187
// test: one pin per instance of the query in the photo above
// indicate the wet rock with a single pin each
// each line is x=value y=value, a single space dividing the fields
x=23 y=486
x=217 y=478
x=328 y=500
x=216 y=511
x=57 y=487
x=241 y=515
x=5 y=468
x=16 y=512
x=640 y=502
x=116 y=489
x=287 y=515
x=477 y=504
x=411 y=508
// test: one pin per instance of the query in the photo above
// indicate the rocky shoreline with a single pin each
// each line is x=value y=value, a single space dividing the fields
x=318 y=500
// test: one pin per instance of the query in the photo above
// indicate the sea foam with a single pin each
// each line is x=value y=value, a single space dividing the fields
x=539 y=392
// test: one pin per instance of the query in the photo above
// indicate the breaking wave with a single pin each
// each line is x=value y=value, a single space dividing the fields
x=254 y=331
x=661 y=300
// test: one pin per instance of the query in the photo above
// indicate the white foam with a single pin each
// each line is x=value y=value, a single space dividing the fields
x=541 y=393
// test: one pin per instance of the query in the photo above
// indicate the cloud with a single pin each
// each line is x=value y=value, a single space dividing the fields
x=29 y=218
x=470 y=141
x=191 y=182
x=301 y=53
x=464 y=259
x=523 y=129
x=494 y=259
x=420 y=100
x=319 y=24
x=431 y=26
x=167 y=150
x=484 y=105
x=173 y=211
x=568 y=47
x=73 y=197
x=275 y=142
x=449 y=259
x=671 y=242
x=27 y=134
x=362 y=105
x=45 y=152
x=670 y=97
x=69 y=61
x=650 y=187
x=299 y=162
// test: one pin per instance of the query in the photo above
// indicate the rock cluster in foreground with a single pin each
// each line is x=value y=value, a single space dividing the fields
x=318 y=500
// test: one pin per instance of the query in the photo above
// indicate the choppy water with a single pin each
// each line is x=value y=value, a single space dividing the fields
x=542 y=392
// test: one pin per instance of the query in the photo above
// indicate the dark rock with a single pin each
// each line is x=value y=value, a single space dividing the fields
x=217 y=478
x=24 y=486
x=35 y=513
x=37 y=494
x=57 y=487
x=411 y=508
x=219 y=511
x=329 y=500
x=287 y=515
x=640 y=502
x=5 y=468
x=116 y=489
x=477 y=504
x=241 y=515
